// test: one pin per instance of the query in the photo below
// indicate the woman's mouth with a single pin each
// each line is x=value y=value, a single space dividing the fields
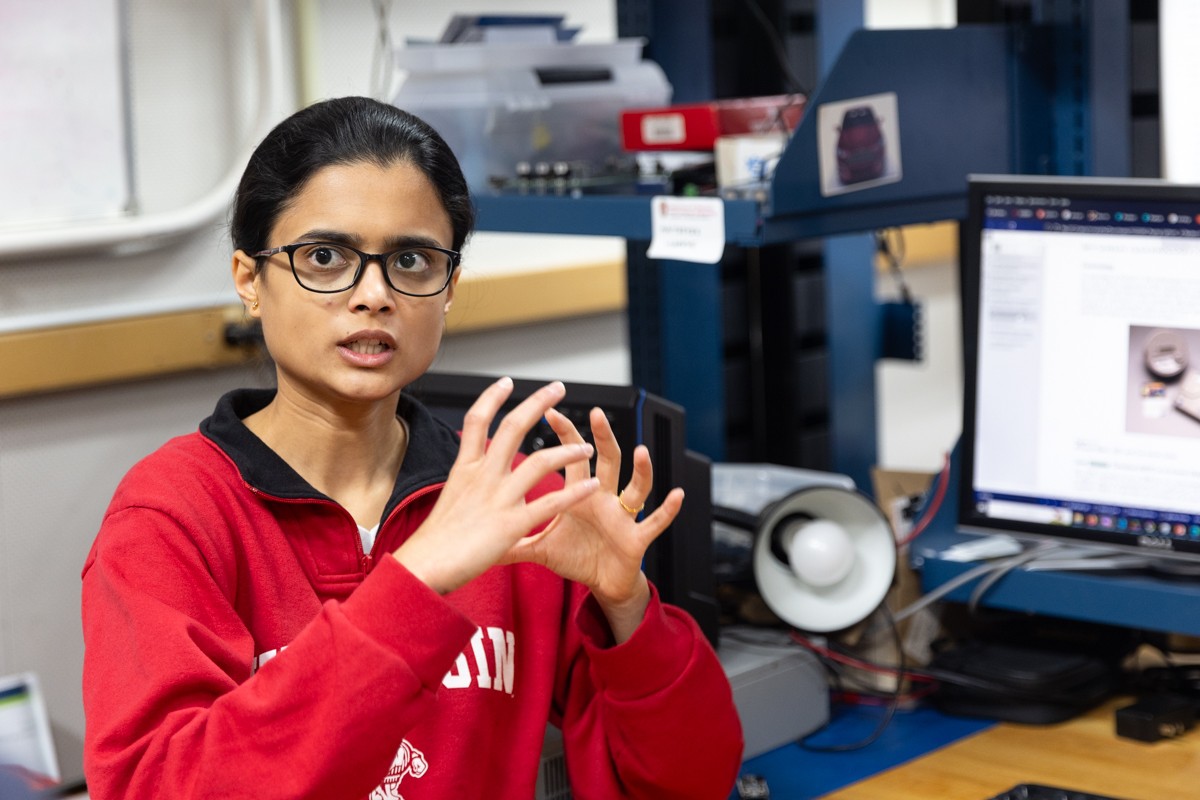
x=367 y=347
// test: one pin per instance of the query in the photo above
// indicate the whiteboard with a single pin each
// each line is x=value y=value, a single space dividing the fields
x=64 y=153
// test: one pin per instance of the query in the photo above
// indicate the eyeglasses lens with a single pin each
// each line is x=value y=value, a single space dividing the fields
x=327 y=267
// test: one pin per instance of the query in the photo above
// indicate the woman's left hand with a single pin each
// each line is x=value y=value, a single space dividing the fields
x=599 y=541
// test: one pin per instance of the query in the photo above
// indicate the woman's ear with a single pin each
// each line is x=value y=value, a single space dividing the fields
x=245 y=281
x=450 y=290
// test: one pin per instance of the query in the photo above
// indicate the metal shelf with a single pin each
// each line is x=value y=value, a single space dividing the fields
x=938 y=150
x=627 y=216
x=746 y=221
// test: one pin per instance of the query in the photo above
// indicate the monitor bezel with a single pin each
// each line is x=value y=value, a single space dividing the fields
x=968 y=519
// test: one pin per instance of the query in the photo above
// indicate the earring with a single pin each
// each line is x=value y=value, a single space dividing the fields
x=254 y=306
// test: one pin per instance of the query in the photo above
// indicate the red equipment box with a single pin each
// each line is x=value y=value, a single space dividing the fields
x=696 y=126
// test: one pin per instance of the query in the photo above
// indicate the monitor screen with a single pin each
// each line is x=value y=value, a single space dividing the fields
x=1081 y=323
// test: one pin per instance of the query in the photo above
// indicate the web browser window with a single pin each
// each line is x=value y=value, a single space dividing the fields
x=1082 y=323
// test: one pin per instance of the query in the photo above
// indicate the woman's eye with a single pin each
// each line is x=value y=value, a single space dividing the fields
x=412 y=261
x=324 y=257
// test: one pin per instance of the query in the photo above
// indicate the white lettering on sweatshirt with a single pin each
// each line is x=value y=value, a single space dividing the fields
x=497 y=673
x=473 y=665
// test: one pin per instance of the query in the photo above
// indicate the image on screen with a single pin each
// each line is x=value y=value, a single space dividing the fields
x=1081 y=322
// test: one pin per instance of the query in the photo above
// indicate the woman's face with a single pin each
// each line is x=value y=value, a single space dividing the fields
x=367 y=343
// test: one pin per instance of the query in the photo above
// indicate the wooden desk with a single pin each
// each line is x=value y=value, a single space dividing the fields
x=1083 y=754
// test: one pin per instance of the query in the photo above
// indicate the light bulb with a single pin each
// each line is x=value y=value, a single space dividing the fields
x=820 y=552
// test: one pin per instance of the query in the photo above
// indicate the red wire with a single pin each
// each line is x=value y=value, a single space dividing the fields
x=939 y=494
x=860 y=699
x=851 y=661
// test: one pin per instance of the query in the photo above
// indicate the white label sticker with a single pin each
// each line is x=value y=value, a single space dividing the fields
x=663 y=129
x=687 y=229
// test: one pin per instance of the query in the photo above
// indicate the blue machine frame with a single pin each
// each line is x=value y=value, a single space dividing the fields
x=997 y=99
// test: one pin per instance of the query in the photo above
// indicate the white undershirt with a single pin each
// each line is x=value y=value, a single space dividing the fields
x=368 y=536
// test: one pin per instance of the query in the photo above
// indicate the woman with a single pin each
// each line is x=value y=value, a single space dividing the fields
x=326 y=593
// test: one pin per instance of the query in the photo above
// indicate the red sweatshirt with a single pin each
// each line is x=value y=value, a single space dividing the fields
x=239 y=643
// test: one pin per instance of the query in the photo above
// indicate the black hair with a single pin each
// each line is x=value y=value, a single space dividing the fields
x=344 y=130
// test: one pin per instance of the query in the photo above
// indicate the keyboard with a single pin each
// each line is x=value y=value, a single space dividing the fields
x=1035 y=791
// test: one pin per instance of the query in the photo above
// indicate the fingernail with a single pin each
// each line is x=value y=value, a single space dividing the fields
x=505 y=381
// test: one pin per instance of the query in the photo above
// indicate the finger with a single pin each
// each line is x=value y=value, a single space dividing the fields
x=641 y=481
x=478 y=420
x=563 y=427
x=608 y=451
x=632 y=511
x=532 y=470
x=567 y=433
x=655 y=523
x=548 y=506
x=512 y=430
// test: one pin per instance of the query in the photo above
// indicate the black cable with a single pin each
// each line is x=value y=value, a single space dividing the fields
x=69 y=788
x=736 y=517
x=901 y=670
x=894 y=255
x=777 y=47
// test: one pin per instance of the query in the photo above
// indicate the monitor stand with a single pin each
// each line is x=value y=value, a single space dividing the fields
x=1071 y=557
x=1174 y=568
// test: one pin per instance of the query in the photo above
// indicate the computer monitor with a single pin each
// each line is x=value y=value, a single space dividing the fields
x=26 y=740
x=680 y=561
x=1081 y=323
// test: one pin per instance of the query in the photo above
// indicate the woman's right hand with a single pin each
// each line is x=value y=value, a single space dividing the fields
x=482 y=511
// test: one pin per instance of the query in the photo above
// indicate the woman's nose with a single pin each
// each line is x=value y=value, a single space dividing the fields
x=372 y=290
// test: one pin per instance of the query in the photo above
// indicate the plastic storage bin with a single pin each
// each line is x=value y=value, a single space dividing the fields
x=500 y=104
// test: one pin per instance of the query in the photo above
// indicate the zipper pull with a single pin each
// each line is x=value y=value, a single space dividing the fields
x=366 y=563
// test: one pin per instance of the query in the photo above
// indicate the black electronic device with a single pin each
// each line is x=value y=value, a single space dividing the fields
x=1155 y=717
x=1038 y=791
x=1025 y=684
x=679 y=563
x=1081 y=413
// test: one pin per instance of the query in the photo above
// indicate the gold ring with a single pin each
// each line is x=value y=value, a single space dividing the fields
x=637 y=510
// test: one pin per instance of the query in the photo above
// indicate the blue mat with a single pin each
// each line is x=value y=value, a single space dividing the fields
x=795 y=773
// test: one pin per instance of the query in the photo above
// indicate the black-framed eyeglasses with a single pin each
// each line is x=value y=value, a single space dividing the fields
x=327 y=267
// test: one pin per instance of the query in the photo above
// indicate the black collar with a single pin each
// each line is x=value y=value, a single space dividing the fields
x=432 y=448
